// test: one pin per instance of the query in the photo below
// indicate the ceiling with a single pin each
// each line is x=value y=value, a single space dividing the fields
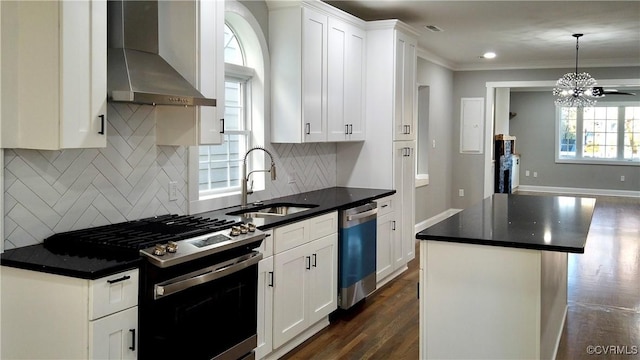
x=523 y=34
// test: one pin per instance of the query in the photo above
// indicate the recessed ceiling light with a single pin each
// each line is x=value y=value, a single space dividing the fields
x=489 y=55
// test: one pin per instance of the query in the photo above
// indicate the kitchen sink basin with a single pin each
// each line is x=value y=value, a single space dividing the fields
x=272 y=210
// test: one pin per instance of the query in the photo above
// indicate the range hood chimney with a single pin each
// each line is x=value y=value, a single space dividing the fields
x=136 y=73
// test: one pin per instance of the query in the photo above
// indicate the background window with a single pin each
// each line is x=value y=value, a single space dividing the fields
x=220 y=166
x=603 y=133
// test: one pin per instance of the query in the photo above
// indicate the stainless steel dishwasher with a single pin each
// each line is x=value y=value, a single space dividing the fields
x=357 y=254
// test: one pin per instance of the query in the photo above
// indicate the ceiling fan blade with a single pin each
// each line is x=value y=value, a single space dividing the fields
x=599 y=91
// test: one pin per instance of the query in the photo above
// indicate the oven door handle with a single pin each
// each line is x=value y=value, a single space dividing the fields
x=205 y=275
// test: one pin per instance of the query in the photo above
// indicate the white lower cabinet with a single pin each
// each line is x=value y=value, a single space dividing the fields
x=265 y=307
x=47 y=316
x=114 y=336
x=390 y=255
x=297 y=286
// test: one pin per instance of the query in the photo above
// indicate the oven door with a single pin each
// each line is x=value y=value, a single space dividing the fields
x=209 y=313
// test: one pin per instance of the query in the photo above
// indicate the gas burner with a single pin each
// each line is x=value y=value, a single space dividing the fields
x=132 y=236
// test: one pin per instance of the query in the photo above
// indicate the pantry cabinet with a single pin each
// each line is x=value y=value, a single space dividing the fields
x=191 y=39
x=317 y=68
x=387 y=158
x=53 y=316
x=54 y=74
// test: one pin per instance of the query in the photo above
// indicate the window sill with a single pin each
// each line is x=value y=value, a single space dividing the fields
x=422 y=180
x=598 y=162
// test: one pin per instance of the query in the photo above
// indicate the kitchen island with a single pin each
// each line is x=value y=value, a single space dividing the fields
x=493 y=278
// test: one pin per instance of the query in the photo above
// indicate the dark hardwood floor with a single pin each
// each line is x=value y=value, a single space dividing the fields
x=603 y=319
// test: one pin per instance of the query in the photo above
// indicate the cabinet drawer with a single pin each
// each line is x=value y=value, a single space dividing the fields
x=289 y=236
x=113 y=293
x=323 y=225
x=386 y=205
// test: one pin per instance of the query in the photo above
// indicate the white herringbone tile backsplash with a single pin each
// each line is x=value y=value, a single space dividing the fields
x=48 y=192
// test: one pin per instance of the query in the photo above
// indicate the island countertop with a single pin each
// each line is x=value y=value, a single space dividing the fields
x=551 y=223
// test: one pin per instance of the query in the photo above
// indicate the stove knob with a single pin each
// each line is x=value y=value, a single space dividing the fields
x=160 y=250
x=235 y=231
x=172 y=246
x=252 y=227
x=244 y=229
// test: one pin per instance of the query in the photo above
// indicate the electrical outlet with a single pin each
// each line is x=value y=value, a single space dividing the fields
x=535 y=174
x=622 y=178
x=292 y=178
x=526 y=173
x=173 y=190
x=460 y=192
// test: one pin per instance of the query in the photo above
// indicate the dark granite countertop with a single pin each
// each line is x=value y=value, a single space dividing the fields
x=324 y=201
x=552 y=223
x=39 y=258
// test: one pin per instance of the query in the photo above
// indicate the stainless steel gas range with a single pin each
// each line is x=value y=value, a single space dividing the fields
x=198 y=282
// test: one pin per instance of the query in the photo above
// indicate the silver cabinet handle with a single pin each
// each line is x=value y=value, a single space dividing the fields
x=307 y=128
x=205 y=275
x=393 y=225
x=346 y=129
x=271 y=278
x=308 y=260
x=222 y=126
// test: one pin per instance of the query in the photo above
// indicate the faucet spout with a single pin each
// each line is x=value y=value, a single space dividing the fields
x=245 y=176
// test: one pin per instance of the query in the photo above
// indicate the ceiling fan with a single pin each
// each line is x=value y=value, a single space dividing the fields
x=599 y=91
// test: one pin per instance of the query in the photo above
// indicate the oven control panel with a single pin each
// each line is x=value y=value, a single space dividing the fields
x=177 y=252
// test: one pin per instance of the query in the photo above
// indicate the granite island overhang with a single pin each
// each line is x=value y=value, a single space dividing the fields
x=493 y=277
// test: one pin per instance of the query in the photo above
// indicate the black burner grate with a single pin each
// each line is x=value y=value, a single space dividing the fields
x=129 y=237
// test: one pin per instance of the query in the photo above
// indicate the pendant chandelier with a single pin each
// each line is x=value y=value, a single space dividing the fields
x=576 y=89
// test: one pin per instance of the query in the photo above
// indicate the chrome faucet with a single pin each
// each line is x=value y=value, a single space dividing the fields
x=245 y=176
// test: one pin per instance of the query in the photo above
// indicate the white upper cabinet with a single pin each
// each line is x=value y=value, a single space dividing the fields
x=54 y=74
x=316 y=97
x=191 y=39
x=405 y=87
x=345 y=97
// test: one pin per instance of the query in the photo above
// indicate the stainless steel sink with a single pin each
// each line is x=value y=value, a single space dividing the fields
x=272 y=210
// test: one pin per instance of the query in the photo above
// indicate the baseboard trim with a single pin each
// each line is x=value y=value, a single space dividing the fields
x=579 y=191
x=435 y=219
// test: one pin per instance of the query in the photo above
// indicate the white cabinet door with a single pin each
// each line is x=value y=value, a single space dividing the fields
x=345 y=96
x=385 y=261
x=68 y=84
x=314 y=75
x=404 y=180
x=186 y=32
x=289 y=297
x=323 y=290
x=265 y=307
x=405 y=80
x=114 y=337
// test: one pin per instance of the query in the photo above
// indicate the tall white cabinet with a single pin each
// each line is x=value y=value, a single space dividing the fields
x=54 y=74
x=318 y=73
x=387 y=157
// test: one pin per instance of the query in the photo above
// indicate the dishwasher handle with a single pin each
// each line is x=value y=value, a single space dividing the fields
x=362 y=215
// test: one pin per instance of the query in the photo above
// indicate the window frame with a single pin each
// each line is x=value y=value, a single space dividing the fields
x=242 y=75
x=579 y=144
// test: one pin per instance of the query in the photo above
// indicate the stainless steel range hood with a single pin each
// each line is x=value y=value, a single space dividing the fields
x=136 y=73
